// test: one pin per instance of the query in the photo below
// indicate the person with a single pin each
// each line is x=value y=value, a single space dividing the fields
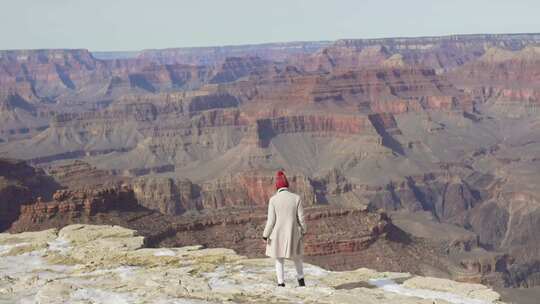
x=285 y=229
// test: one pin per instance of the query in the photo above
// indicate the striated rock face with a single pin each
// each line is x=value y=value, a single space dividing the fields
x=154 y=78
x=250 y=189
x=447 y=197
x=234 y=68
x=374 y=89
x=166 y=195
x=20 y=118
x=19 y=184
x=50 y=75
x=344 y=58
x=80 y=175
x=440 y=53
x=101 y=264
x=56 y=76
x=74 y=204
x=508 y=78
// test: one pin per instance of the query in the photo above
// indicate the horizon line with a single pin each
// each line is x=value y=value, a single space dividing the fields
x=407 y=37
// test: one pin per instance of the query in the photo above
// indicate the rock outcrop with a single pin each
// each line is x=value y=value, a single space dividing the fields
x=19 y=184
x=103 y=264
x=74 y=204
x=166 y=195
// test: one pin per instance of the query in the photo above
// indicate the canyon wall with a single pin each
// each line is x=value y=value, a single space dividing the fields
x=438 y=127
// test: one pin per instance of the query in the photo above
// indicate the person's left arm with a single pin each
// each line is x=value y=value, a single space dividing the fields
x=270 y=222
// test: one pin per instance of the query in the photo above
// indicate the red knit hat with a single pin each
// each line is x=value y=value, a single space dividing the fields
x=281 y=180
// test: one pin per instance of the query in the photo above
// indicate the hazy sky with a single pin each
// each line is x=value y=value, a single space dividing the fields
x=140 y=24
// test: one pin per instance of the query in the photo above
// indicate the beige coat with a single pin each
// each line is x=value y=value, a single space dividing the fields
x=285 y=225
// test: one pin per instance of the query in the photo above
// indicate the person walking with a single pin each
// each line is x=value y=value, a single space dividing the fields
x=285 y=229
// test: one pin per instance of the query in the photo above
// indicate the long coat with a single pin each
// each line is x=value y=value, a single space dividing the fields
x=285 y=225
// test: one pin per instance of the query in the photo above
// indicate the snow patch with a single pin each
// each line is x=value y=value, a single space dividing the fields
x=124 y=272
x=391 y=286
x=183 y=301
x=218 y=279
x=7 y=248
x=164 y=252
x=31 y=262
x=99 y=296
x=59 y=244
x=316 y=271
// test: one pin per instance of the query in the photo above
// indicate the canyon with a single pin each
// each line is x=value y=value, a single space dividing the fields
x=411 y=154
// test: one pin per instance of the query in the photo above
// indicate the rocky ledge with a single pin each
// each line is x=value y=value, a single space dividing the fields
x=110 y=264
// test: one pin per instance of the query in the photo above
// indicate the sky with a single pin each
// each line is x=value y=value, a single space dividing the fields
x=129 y=25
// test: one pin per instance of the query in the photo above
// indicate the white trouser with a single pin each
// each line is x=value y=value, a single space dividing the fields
x=297 y=264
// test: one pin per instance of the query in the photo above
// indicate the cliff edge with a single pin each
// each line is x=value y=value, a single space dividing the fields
x=110 y=264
